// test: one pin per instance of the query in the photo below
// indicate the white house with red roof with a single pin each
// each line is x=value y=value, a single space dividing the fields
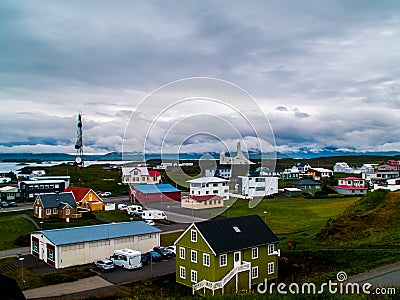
x=351 y=186
x=140 y=175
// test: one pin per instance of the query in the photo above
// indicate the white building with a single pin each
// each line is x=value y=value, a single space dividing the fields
x=73 y=246
x=219 y=171
x=380 y=176
x=320 y=173
x=140 y=175
x=209 y=186
x=351 y=186
x=257 y=186
x=390 y=184
x=239 y=159
x=342 y=167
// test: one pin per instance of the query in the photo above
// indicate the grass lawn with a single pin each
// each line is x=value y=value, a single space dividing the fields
x=168 y=239
x=13 y=227
x=294 y=218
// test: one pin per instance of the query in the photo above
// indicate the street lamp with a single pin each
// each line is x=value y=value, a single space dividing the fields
x=41 y=225
x=21 y=259
x=228 y=210
x=168 y=210
x=265 y=216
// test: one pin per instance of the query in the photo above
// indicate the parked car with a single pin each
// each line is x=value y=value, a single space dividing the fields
x=8 y=204
x=172 y=248
x=122 y=206
x=150 y=222
x=153 y=256
x=105 y=265
x=165 y=254
x=145 y=261
x=105 y=194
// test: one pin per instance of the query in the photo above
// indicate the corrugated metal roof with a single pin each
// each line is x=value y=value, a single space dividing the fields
x=81 y=234
x=156 y=188
x=207 y=180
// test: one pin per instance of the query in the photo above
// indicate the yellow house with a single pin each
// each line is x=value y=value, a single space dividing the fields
x=86 y=198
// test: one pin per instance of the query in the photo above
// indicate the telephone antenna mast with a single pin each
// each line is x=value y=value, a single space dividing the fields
x=79 y=163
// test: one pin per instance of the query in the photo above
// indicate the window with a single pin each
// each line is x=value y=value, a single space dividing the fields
x=270 y=249
x=223 y=260
x=67 y=211
x=206 y=259
x=271 y=268
x=50 y=254
x=260 y=188
x=37 y=210
x=193 y=276
x=48 y=211
x=254 y=272
x=260 y=179
x=254 y=253
x=193 y=235
x=181 y=253
x=35 y=247
x=182 y=272
x=55 y=211
x=215 y=192
x=193 y=256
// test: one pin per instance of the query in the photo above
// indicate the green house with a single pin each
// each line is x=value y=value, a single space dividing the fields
x=226 y=255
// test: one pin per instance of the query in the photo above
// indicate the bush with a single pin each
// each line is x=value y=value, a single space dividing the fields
x=67 y=276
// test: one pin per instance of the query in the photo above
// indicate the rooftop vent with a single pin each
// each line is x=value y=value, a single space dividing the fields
x=236 y=229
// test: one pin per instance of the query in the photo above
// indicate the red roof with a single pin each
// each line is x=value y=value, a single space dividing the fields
x=154 y=173
x=206 y=197
x=347 y=187
x=79 y=192
x=351 y=178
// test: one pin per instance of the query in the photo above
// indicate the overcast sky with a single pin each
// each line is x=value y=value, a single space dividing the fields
x=325 y=73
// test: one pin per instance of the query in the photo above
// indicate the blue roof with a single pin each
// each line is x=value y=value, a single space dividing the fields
x=156 y=188
x=82 y=234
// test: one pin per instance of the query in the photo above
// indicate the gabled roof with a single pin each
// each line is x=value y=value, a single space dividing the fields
x=127 y=170
x=234 y=234
x=156 y=188
x=79 y=192
x=348 y=187
x=322 y=170
x=55 y=200
x=82 y=234
x=301 y=164
x=306 y=182
x=154 y=173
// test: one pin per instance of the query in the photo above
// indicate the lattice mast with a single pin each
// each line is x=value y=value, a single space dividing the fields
x=79 y=162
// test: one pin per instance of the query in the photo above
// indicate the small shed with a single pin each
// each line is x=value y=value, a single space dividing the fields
x=292 y=192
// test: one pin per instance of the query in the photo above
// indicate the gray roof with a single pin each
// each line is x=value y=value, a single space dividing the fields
x=233 y=234
x=306 y=182
x=64 y=236
x=55 y=200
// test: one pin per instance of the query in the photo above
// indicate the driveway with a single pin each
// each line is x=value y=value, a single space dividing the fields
x=386 y=276
x=121 y=276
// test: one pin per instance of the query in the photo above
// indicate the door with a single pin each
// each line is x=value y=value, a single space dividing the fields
x=40 y=212
x=237 y=258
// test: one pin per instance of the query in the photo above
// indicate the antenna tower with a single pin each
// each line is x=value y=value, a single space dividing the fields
x=79 y=163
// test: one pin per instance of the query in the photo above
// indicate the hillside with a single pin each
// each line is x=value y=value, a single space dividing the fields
x=371 y=222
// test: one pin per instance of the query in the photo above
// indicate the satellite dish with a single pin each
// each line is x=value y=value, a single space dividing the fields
x=78 y=160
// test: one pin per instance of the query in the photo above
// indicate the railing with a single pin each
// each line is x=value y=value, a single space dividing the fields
x=245 y=266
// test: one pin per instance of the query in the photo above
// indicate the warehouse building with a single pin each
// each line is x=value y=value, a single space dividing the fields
x=73 y=246
x=154 y=193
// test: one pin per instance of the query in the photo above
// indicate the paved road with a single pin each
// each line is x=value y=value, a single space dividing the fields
x=385 y=276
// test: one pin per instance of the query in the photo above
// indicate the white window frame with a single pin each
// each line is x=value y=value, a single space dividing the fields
x=254 y=253
x=193 y=235
x=223 y=260
x=193 y=256
x=193 y=276
x=48 y=211
x=271 y=249
x=182 y=252
x=271 y=268
x=55 y=211
x=206 y=259
x=67 y=212
x=254 y=272
x=182 y=272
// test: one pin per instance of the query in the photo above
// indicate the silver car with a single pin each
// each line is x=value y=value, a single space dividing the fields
x=105 y=265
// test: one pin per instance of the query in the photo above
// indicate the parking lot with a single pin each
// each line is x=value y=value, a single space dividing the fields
x=122 y=276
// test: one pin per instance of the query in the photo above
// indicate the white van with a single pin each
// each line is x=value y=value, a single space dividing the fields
x=153 y=215
x=134 y=210
x=127 y=259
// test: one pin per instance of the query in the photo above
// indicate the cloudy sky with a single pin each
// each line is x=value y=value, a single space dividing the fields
x=326 y=74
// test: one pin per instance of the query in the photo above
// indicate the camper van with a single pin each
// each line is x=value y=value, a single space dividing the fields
x=153 y=215
x=127 y=259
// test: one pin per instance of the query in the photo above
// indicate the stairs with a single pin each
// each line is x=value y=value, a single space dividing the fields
x=245 y=266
